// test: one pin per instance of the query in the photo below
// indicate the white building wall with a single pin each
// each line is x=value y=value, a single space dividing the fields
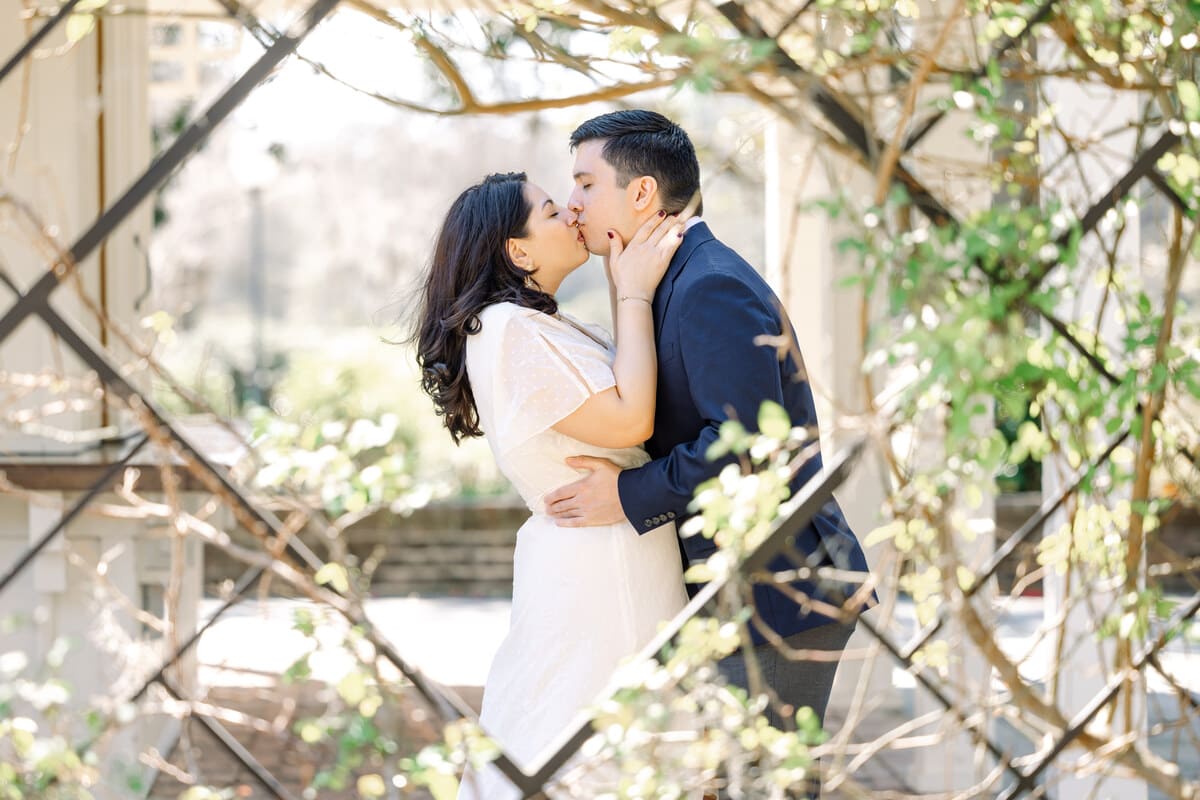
x=75 y=134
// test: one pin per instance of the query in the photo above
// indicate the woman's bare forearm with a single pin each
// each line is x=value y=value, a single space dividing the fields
x=623 y=415
x=636 y=365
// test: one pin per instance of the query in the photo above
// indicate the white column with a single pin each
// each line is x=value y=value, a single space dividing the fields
x=48 y=157
x=804 y=268
x=126 y=151
x=74 y=133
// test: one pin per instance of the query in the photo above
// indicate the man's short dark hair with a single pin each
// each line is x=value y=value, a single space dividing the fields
x=639 y=142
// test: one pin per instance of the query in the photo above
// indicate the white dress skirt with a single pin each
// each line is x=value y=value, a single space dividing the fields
x=583 y=598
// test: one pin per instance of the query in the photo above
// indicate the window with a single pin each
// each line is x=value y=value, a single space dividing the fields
x=154 y=603
x=213 y=72
x=166 y=71
x=167 y=35
x=216 y=36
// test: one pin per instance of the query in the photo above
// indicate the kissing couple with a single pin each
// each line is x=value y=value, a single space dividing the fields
x=605 y=435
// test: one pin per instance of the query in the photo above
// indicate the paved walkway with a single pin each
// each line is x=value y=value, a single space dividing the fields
x=452 y=640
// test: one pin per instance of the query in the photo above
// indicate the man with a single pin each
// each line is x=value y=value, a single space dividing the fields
x=708 y=310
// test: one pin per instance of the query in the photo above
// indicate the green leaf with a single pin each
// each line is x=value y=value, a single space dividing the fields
x=357 y=501
x=442 y=786
x=966 y=578
x=1158 y=377
x=884 y=533
x=773 y=420
x=717 y=450
x=310 y=732
x=335 y=574
x=79 y=26
x=734 y=436
x=303 y=621
x=993 y=72
x=353 y=688
x=898 y=195
x=371 y=786
x=1189 y=99
x=299 y=670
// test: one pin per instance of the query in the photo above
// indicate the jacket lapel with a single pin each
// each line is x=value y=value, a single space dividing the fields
x=693 y=238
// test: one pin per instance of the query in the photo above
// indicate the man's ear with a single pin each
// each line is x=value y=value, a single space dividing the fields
x=518 y=255
x=645 y=190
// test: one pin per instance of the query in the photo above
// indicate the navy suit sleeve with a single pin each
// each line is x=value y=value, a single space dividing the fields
x=729 y=376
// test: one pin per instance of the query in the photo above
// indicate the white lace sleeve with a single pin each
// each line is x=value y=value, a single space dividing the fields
x=547 y=369
x=598 y=331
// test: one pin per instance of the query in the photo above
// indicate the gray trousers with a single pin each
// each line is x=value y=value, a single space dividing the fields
x=797 y=683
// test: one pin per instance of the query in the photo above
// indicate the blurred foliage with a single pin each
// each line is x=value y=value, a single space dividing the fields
x=343 y=467
x=352 y=434
x=347 y=428
x=38 y=757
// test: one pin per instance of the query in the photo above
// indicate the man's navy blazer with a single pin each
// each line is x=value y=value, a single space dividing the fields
x=708 y=310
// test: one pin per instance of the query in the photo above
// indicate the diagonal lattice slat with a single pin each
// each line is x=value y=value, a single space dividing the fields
x=1102 y=699
x=26 y=49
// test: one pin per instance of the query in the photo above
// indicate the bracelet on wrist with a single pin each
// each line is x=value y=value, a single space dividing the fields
x=635 y=297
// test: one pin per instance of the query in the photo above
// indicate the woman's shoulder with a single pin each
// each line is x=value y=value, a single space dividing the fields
x=499 y=310
x=501 y=315
x=505 y=324
x=513 y=324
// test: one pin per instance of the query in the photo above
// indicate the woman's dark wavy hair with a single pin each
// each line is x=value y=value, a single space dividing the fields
x=470 y=270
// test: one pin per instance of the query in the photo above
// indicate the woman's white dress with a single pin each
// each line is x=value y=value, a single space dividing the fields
x=583 y=598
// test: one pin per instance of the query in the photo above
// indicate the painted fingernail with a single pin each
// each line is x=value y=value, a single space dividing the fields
x=610 y=235
x=680 y=234
x=662 y=212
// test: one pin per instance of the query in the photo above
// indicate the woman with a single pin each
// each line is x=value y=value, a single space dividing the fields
x=500 y=360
